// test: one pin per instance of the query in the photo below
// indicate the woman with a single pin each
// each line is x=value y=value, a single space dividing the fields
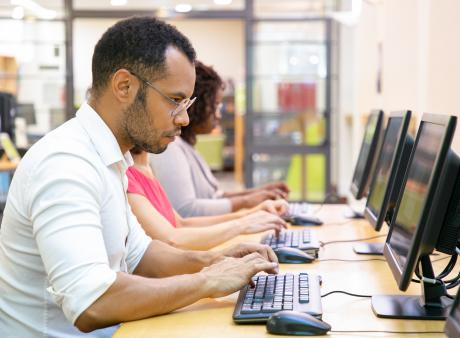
x=154 y=212
x=187 y=179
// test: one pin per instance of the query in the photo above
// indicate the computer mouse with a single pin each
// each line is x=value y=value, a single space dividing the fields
x=296 y=324
x=292 y=256
x=305 y=220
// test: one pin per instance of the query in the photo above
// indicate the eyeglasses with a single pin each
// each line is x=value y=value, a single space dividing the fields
x=181 y=106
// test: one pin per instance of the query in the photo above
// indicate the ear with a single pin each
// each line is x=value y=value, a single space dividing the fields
x=124 y=86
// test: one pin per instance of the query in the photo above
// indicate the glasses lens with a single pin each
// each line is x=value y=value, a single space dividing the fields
x=183 y=106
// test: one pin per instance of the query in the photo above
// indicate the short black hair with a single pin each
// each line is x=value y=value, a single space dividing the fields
x=138 y=44
x=207 y=84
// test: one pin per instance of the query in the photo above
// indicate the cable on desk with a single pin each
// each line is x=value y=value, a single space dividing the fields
x=322 y=203
x=385 y=331
x=346 y=293
x=351 y=240
x=350 y=260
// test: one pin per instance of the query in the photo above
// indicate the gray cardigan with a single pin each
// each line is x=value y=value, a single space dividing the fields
x=188 y=181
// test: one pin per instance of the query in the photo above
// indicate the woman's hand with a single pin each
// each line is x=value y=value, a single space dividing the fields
x=276 y=207
x=260 y=221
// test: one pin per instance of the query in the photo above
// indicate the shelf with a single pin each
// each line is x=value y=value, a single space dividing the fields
x=286 y=115
x=290 y=42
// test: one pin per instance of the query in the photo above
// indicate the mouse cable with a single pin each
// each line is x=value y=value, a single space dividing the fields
x=393 y=332
x=351 y=240
x=346 y=293
x=320 y=206
x=350 y=260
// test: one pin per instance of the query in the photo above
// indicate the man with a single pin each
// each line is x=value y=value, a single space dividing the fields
x=72 y=256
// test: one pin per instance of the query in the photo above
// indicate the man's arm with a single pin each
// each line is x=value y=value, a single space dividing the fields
x=135 y=297
x=162 y=260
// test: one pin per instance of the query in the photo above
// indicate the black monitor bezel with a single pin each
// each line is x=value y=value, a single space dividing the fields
x=358 y=189
x=378 y=220
x=403 y=275
x=452 y=328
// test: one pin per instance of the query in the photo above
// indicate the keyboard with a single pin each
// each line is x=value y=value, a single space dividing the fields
x=273 y=293
x=304 y=240
x=299 y=208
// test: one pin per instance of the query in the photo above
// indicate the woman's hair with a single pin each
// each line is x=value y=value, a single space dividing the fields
x=207 y=85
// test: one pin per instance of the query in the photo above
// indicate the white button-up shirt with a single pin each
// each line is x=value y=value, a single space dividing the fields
x=67 y=229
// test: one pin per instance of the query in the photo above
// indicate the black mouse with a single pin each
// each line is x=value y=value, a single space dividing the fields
x=296 y=324
x=292 y=256
x=305 y=220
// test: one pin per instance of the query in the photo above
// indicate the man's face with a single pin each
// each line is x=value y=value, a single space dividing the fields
x=147 y=121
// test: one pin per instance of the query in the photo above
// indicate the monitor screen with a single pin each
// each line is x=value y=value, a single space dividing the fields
x=453 y=321
x=415 y=192
x=426 y=193
x=26 y=111
x=367 y=154
x=384 y=167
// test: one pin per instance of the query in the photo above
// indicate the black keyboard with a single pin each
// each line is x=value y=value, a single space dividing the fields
x=273 y=293
x=301 y=239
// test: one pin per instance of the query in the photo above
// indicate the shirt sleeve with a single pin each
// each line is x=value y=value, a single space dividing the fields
x=137 y=242
x=63 y=204
x=174 y=172
x=134 y=187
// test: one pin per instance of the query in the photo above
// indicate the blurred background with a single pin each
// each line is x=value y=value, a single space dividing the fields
x=301 y=75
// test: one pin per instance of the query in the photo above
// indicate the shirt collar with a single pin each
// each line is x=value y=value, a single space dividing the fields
x=102 y=137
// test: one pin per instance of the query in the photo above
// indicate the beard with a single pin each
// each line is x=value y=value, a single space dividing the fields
x=138 y=126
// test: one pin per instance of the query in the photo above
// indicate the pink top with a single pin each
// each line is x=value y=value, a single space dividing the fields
x=151 y=189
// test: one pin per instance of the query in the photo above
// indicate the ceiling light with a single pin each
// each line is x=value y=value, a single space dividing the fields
x=118 y=2
x=293 y=61
x=183 y=8
x=18 y=13
x=40 y=11
x=222 y=2
x=313 y=59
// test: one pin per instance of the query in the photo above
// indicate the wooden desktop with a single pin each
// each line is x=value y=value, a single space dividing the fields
x=213 y=317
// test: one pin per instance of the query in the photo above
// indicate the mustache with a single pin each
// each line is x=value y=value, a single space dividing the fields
x=176 y=132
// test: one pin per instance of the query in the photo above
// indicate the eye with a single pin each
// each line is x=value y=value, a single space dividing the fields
x=177 y=100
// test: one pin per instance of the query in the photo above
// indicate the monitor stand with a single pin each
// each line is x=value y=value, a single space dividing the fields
x=432 y=305
x=369 y=248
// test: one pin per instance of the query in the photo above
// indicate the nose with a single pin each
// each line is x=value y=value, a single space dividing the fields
x=182 y=119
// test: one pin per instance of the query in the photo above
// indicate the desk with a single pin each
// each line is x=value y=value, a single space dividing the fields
x=213 y=317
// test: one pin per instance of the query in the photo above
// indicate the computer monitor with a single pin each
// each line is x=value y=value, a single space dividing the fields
x=452 y=328
x=389 y=173
x=367 y=155
x=426 y=218
x=26 y=111
x=7 y=113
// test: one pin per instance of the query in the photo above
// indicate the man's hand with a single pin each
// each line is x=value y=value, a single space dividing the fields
x=261 y=221
x=244 y=249
x=231 y=274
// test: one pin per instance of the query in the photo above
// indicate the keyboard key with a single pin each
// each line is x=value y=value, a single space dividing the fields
x=249 y=310
x=287 y=306
x=304 y=299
